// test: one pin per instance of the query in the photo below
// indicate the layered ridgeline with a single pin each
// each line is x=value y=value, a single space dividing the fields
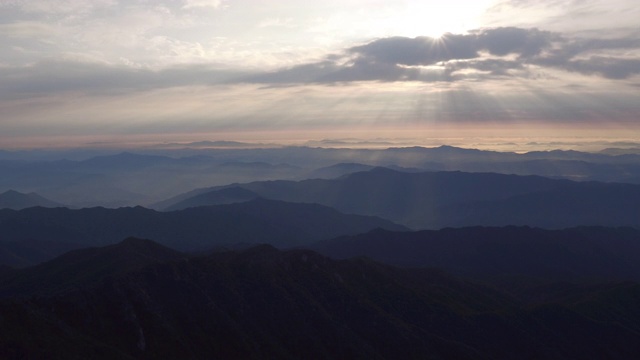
x=150 y=175
x=129 y=179
x=15 y=200
x=140 y=300
x=27 y=234
x=448 y=199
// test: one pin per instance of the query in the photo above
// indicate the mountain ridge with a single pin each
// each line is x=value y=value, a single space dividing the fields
x=487 y=252
x=194 y=229
x=146 y=176
x=266 y=303
x=16 y=200
x=431 y=200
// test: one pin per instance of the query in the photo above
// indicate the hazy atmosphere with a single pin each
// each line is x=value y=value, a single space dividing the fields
x=289 y=179
x=559 y=74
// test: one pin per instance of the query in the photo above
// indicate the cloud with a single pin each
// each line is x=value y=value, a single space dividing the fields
x=566 y=16
x=429 y=51
x=75 y=7
x=76 y=75
x=423 y=59
x=617 y=58
x=498 y=67
x=484 y=53
x=511 y=40
x=277 y=22
x=28 y=29
x=608 y=67
x=417 y=51
x=191 y=4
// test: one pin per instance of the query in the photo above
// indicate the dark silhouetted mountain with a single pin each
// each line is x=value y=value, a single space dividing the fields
x=489 y=252
x=29 y=252
x=138 y=300
x=15 y=200
x=440 y=199
x=85 y=266
x=256 y=221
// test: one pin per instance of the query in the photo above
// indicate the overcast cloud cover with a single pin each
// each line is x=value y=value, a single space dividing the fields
x=168 y=70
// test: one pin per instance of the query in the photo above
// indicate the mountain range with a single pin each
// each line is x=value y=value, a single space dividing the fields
x=300 y=252
x=146 y=176
x=194 y=229
x=432 y=200
x=489 y=253
x=139 y=300
x=15 y=200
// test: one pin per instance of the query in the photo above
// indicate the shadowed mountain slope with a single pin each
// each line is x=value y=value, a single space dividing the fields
x=27 y=252
x=85 y=266
x=256 y=221
x=488 y=252
x=15 y=200
x=263 y=303
x=431 y=200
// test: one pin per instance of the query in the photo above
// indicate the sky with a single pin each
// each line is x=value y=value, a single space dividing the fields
x=110 y=72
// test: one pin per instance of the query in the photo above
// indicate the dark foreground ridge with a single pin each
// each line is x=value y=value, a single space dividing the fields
x=140 y=300
x=574 y=254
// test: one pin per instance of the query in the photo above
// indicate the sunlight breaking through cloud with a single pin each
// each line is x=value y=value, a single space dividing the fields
x=115 y=67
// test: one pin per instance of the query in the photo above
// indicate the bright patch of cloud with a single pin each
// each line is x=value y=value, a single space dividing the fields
x=565 y=16
x=484 y=54
x=60 y=7
x=28 y=29
x=139 y=66
x=191 y=4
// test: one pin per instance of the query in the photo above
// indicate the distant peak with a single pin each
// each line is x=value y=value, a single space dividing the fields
x=147 y=248
x=260 y=199
x=260 y=250
x=134 y=241
x=142 y=245
x=16 y=200
x=263 y=248
x=378 y=170
x=382 y=169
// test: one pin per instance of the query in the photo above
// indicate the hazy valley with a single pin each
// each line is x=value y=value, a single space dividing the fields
x=145 y=177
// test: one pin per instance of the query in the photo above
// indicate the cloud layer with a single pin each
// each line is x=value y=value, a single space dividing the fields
x=162 y=67
x=484 y=53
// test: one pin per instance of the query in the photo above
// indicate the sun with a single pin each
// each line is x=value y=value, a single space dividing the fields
x=436 y=18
